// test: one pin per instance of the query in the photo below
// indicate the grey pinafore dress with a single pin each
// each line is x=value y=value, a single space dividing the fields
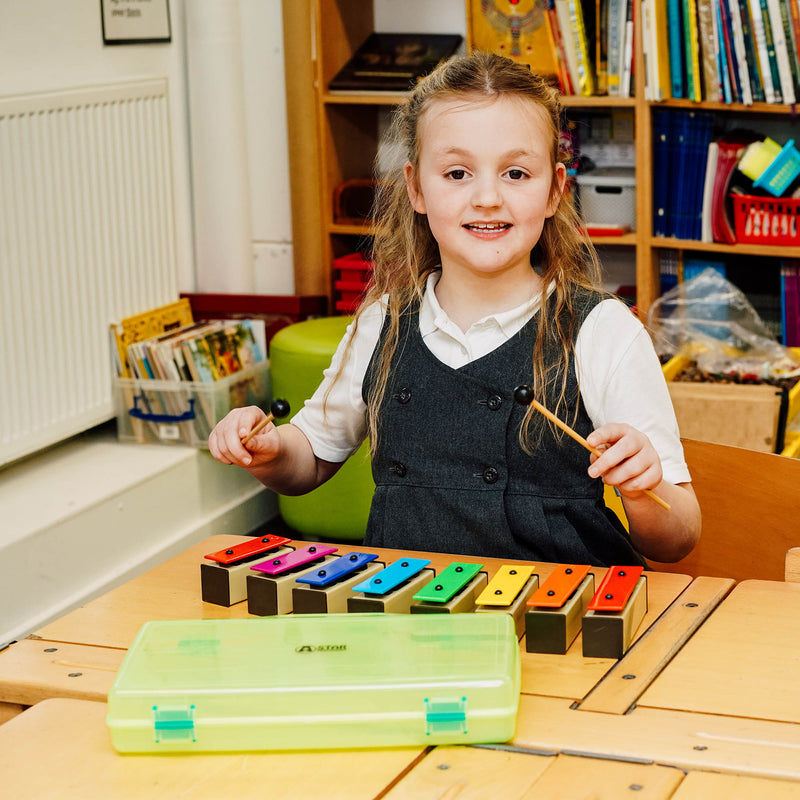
x=451 y=475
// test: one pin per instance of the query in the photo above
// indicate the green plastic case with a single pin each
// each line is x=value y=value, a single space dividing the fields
x=317 y=681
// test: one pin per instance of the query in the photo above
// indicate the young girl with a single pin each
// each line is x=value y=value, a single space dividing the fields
x=482 y=282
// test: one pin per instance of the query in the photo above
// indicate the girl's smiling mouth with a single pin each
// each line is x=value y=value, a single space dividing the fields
x=487 y=227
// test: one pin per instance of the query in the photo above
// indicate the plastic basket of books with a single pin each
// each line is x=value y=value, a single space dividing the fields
x=763 y=220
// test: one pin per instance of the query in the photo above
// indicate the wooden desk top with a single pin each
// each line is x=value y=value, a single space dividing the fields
x=669 y=699
x=71 y=738
x=172 y=591
x=743 y=662
x=61 y=749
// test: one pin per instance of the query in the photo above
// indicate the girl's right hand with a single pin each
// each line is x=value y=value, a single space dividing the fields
x=225 y=441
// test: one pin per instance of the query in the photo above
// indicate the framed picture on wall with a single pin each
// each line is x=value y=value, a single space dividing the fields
x=135 y=21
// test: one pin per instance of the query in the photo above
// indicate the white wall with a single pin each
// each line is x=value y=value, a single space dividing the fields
x=47 y=45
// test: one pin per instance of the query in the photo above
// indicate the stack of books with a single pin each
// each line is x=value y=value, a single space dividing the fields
x=176 y=378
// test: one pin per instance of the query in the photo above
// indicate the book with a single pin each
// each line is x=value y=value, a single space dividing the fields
x=394 y=62
x=557 y=40
x=626 y=67
x=751 y=50
x=615 y=40
x=662 y=137
x=781 y=51
x=760 y=9
x=517 y=33
x=662 y=88
x=676 y=50
x=759 y=36
x=143 y=326
x=708 y=192
x=730 y=149
x=736 y=78
x=601 y=46
x=586 y=81
x=692 y=60
x=709 y=49
x=794 y=17
x=562 y=15
x=790 y=302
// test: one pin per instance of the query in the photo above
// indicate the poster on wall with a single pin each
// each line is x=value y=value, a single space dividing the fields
x=135 y=21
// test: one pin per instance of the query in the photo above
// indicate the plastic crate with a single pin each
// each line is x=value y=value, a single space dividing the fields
x=352 y=274
x=764 y=220
x=184 y=412
x=608 y=196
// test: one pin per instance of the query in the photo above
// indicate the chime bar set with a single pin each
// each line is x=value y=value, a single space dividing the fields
x=313 y=580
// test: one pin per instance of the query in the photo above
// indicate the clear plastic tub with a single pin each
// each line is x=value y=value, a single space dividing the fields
x=317 y=682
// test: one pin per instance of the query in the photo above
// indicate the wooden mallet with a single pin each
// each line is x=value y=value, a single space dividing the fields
x=279 y=408
x=524 y=396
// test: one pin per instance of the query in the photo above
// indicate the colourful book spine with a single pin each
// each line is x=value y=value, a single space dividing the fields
x=586 y=82
x=753 y=59
x=781 y=52
x=676 y=49
x=615 y=28
x=724 y=63
x=734 y=74
x=706 y=31
x=760 y=37
x=693 y=80
x=777 y=87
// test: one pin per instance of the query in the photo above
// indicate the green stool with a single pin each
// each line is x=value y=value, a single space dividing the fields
x=339 y=508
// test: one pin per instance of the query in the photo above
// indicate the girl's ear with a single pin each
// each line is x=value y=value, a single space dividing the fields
x=414 y=192
x=557 y=189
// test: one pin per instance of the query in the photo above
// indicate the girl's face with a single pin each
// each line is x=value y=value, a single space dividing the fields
x=484 y=181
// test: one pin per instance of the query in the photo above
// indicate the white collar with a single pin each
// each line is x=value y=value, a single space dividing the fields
x=433 y=317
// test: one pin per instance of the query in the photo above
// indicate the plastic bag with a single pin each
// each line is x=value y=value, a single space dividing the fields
x=710 y=321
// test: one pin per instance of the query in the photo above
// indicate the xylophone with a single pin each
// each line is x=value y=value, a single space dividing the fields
x=276 y=578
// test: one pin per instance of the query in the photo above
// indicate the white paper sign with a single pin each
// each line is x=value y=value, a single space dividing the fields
x=135 y=21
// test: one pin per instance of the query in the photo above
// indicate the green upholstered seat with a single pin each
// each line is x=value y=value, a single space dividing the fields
x=339 y=508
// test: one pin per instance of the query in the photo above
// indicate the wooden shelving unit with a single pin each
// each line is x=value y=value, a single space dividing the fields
x=346 y=140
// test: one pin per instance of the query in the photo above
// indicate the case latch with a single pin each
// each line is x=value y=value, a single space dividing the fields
x=445 y=716
x=170 y=724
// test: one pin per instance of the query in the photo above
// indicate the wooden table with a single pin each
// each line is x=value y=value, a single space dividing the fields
x=710 y=684
x=78 y=654
x=60 y=750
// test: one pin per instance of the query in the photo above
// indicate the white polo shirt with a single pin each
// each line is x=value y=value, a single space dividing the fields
x=619 y=372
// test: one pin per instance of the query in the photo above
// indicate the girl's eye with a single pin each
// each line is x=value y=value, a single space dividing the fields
x=516 y=174
x=456 y=174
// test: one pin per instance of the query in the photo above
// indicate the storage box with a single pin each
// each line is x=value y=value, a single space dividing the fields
x=184 y=412
x=317 y=681
x=608 y=196
x=741 y=415
x=352 y=274
x=766 y=220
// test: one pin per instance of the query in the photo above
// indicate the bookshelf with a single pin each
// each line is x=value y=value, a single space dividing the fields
x=347 y=129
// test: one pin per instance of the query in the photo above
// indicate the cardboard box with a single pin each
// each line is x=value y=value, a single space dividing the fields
x=317 y=681
x=741 y=415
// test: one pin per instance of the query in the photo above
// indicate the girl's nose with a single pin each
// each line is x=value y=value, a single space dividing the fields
x=486 y=193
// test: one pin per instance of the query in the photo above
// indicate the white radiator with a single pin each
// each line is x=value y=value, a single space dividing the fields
x=86 y=237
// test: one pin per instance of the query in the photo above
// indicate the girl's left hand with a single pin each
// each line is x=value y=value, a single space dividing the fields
x=628 y=461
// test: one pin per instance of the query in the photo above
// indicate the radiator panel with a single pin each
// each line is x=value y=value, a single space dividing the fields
x=86 y=238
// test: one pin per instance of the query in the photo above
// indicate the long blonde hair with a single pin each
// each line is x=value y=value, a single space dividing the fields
x=405 y=252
